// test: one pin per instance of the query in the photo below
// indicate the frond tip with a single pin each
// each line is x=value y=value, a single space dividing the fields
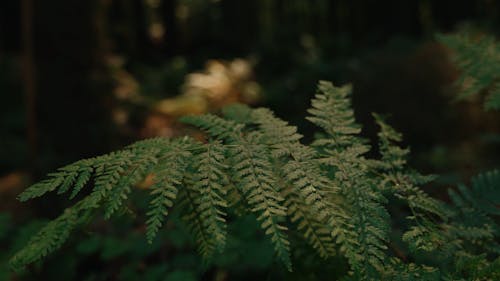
x=52 y=236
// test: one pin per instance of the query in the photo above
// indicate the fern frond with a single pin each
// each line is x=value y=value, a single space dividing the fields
x=255 y=162
x=52 y=236
x=254 y=176
x=361 y=225
x=281 y=137
x=208 y=194
x=193 y=218
x=215 y=126
x=484 y=194
x=424 y=237
x=331 y=110
x=109 y=169
x=477 y=267
x=479 y=60
x=399 y=271
x=312 y=221
x=304 y=198
x=401 y=181
x=83 y=178
x=423 y=233
x=142 y=162
x=476 y=209
x=76 y=174
x=152 y=143
x=312 y=185
x=392 y=155
x=168 y=176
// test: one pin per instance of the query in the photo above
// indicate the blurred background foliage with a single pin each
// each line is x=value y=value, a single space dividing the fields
x=81 y=78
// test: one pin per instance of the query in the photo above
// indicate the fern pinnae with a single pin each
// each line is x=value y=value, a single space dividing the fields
x=143 y=161
x=403 y=182
x=41 y=188
x=193 y=219
x=310 y=221
x=485 y=193
x=254 y=176
x=152 y=143
x=478 y=57
x=278 y=134
x=300 y=167
x=254 y=162
x=476 y=213
x=303 y=198
x=53 y=235
x=76 y=174
x=109 y=168
x=331 y=110
x=209 y=184
x=48 y=239
x=362 y=229
x=423 y=233
x=168 y=175
x=82 y=179
x=216 y=127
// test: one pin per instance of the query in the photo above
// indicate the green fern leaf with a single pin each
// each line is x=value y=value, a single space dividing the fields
x=168 y=176
x=215 y=126
x=485 y=192
x=254 y=175
x=479 y=60
x=207 y=199
x=360 y=225
x=255 y=163
x=52 y=236
x=305 y=200
x=143 y=161
x=63 y=179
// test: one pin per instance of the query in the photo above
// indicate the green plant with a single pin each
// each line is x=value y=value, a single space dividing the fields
x=478 y=58
x=329 y=191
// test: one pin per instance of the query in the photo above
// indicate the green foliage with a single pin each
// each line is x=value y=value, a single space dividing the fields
x=475 y=223
x=403 y=183
x=53 y=235
x=254 y=163
x=479 y=60
x=127 y=255
x=205 y=199
x=484 y=195
x=359 y=222
x=168 y=176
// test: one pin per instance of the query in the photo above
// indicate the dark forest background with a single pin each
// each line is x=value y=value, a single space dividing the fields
x=82 y=78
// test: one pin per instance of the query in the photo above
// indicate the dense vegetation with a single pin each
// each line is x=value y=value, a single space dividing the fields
x=329 y=191
x=233 y=192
